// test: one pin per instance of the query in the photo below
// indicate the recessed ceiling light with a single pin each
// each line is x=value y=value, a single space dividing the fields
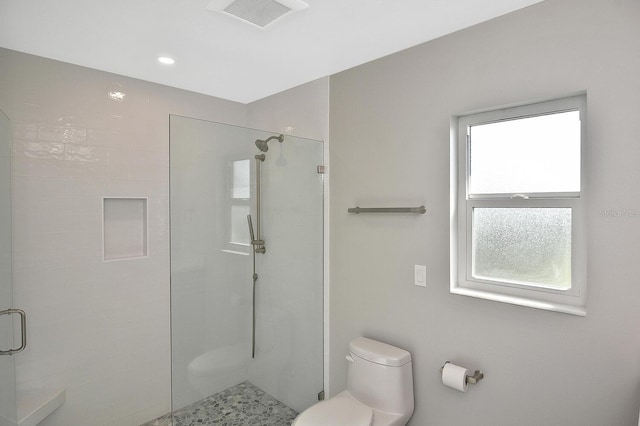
x=165 y=60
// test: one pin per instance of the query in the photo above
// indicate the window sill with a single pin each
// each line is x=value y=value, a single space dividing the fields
x=521 y=301
x=235 y=252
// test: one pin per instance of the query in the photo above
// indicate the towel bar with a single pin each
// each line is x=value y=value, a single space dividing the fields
x=417 y=210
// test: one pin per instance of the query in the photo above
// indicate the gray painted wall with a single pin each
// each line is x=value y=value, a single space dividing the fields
x=390 y=146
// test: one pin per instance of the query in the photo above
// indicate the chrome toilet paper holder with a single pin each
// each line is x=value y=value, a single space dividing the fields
x=472 y=380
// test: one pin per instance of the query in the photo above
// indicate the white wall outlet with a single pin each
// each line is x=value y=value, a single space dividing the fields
x=420 y=275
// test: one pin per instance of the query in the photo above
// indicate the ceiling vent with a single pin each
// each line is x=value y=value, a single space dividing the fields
x=257 y=12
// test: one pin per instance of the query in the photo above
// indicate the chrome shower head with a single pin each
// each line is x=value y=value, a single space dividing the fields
x=262 y=144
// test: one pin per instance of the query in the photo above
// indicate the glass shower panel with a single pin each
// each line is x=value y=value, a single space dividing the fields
x=213 y=188
x=289 y=332
x=8 y=414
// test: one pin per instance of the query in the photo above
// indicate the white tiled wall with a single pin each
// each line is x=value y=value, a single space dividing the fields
x=100 y=329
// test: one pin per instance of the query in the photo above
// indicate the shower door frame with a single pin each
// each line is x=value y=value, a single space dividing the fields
x=8 y=402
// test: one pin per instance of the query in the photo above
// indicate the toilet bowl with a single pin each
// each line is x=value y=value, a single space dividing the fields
x=379 y=389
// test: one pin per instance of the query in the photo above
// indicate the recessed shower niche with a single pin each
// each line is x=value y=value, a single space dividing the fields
x=124 y=228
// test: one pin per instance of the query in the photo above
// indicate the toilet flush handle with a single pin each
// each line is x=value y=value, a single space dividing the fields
x=349 y=358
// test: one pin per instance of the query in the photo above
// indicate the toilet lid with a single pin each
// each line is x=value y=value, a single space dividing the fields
x=336 y=412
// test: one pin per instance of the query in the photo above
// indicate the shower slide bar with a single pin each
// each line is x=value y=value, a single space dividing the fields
x=256 y=240
x=416 y=210
x=257 y=243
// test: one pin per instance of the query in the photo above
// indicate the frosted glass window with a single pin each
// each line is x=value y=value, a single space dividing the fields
x=529 y=246
x=526 y=155
x=239 y=206
x=241 y=187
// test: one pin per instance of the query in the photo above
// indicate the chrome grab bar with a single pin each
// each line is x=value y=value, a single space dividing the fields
x=417 y=210
x=23 y=327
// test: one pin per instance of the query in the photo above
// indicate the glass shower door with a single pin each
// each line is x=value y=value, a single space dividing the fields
x=213 y=299
x=7 y=370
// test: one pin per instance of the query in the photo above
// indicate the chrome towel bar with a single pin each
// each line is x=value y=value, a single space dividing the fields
x=416 y=210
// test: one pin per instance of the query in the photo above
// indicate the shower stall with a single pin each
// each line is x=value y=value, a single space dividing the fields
x=246 y=307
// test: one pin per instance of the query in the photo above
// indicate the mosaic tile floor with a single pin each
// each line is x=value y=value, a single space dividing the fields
x=239 y=405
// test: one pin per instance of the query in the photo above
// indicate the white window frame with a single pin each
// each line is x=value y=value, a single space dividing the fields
x=571 y=301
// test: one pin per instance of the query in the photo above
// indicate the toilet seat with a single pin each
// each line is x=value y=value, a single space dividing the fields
x=336 y=411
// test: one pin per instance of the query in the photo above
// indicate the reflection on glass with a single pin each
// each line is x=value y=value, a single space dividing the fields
x=241 y=176
x=212 y=297
x=239 y=230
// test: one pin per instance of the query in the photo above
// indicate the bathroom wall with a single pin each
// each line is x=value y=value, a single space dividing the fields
x=390 y=146
x=100 y=329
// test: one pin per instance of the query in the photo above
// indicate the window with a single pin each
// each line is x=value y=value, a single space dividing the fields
x=518 y=226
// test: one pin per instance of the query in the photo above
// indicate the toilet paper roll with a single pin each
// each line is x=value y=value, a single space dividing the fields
x=455 y=376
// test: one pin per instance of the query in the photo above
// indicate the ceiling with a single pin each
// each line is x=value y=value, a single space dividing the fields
x=219 y=55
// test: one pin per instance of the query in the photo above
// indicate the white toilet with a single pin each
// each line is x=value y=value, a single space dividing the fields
x=379 y=389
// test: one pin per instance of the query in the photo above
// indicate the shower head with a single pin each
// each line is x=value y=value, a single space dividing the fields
x=262 y=144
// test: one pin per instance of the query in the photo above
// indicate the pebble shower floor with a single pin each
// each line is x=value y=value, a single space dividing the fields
x=240 y=405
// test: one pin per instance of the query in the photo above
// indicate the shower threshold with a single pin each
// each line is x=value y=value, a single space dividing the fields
x=240 y=405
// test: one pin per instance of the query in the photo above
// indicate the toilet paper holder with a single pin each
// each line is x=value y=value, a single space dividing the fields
x=472 y=380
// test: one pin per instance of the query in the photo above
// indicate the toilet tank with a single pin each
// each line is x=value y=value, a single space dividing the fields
x=380 y=376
